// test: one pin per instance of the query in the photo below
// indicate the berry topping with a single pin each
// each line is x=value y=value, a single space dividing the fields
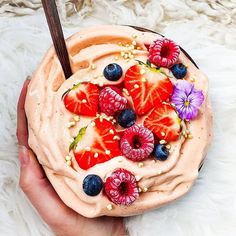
x=82 y=99
x=92 y=185
x=160 y=152
x=137 y=143
x=112 y=72
x=121 y=187
x=110 y=101
x=126 y=118
x=179 y=70
x=163 y=53
x=147 y=87
x=164 y=122
x=95 y=143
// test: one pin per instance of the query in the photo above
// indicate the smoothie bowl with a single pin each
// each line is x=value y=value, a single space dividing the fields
x=129 y=130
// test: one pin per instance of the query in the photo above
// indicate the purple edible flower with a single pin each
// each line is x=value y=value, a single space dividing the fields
x=187 y=99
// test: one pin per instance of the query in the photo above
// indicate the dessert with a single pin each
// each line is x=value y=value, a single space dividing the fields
x=128 y=131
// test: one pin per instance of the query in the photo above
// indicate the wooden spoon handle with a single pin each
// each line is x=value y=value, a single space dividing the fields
x=54 y=24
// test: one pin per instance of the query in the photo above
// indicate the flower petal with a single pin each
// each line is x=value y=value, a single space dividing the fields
x=191 y=112
x=196 y=98
x=185 y=86
x=178 y=96
x=182 y=112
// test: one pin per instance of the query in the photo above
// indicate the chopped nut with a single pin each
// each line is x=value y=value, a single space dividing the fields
x=111 y=131
x=68 y=163
x=131 y=47
x=126 y=91
x=116 y=137
x=134 y=43
x=145 y=189
x=134 y=36
x=109 y=207
x=163 y=134
x=93 y=66
x=168 y=146
x=107 y=152
x=162 y=141
x=190 y=136
x=140 y=164
x=70 y=124
x=142 y=71
x=76 y=118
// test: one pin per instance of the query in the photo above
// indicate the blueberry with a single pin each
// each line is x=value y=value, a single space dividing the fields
x=179 y=70
x=160 y=152
x=126 y=118
x=92 y=185
x=112 y=72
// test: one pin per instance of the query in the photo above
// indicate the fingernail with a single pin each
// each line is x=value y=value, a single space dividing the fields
x=23 y=155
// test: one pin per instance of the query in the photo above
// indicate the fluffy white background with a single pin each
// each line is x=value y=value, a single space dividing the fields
x=206 y=29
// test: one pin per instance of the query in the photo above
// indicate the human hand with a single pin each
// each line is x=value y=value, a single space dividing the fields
x=33 y=181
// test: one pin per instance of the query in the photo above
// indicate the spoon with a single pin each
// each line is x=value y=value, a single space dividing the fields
x=54 y=24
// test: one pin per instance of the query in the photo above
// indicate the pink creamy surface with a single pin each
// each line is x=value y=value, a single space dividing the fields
x=50 y=138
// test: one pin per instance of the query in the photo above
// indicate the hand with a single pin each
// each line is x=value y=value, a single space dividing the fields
x=62 y=219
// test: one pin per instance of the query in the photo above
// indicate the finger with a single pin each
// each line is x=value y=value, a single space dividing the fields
x=22 y=131
x=39 y=191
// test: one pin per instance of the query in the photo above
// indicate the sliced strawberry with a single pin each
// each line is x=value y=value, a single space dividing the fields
x=164 y=122
x=95 y=143
x=147 y=89
x=82 y=99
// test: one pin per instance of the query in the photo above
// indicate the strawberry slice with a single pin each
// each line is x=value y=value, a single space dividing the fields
x=95 y=143
x=164 y=122
x=82 y=99
x=147 y=89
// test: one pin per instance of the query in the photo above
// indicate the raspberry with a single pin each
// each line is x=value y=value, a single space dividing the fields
x=163 y=53
x=121 y=187
x=137 y=143
x=110 y=101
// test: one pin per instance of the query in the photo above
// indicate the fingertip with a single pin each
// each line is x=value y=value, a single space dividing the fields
x=22 y=130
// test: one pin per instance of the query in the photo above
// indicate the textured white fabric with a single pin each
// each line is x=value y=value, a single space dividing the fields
x=206 y=29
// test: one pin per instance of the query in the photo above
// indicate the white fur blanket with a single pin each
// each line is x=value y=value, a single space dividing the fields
x=206 y=29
